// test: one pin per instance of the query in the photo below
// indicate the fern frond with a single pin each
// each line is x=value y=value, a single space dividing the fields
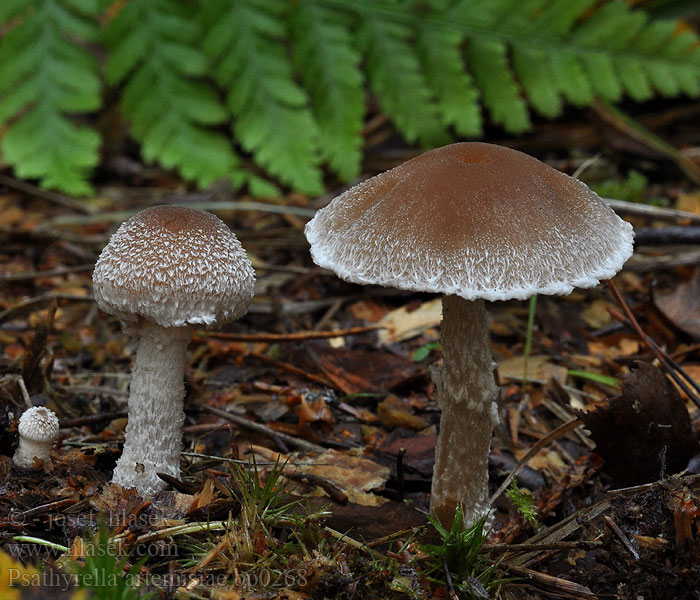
x=397 y=79
x=580 y=50
x=45 y=77
x=330 y=69
x=245 y=41
x=538 y=52
x=445 y=70
x=294 y=77
x=680 y=48
x=500 y=90
x=171 y=107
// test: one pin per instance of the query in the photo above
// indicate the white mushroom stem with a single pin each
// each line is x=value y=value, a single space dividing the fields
x=154 y=431
x=467 y=393
x=28 y=450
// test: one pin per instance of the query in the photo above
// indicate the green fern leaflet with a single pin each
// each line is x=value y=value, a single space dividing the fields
x=289 y=84
x=330 y=69
x=246 y=43
x=171 y=106
x=47 y=75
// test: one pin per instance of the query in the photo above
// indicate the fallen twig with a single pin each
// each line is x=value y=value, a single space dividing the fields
x=614 y=527
x=94 y=389
x=557 y=532
x=90 y=419
x=448 y=581
x=187 y=528
x=49 y=273
x=581 y=544
x=669 y=365
x=56 y=198
x=31 y=304
x=263 y=429
x=19 y=380
x=660 y=213
x=642 y=263
x=557 y=584
x=122 y=215
x=622 y=122
x=536 y=447
x=19 y=518
x=287 y=337
x=235 y=461
x=342 y=537
x=290 y=368
x=662 y=236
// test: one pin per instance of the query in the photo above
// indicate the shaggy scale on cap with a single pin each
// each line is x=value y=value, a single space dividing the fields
x=474 y=220
x=174 y=266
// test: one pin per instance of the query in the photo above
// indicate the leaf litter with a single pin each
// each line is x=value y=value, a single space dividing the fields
x=315 y=482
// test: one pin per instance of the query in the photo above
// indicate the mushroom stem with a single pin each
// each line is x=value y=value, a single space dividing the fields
x=467 y=393
x=154 y=431
x=28 y=450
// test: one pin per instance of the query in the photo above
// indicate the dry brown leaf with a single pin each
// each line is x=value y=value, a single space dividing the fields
x=693 y=371
x=71 y=289
x=11 y=215
x=597 y=351
x=365 y=498
x=550 y=372
x=358 y=370
x=689 y=203
x=347 y=471
x=596 y=315
x=395 y=413
x=682 y=306
x=404 y=323
x=368 y=310
x=628 y=346
x=205 y=497
x=545 y=460
x=221 y=593
x=77 y=548
x=518 y=368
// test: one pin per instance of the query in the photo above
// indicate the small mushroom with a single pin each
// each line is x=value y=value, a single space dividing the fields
x=164 y=272
x=473 y=222
x=38 y=428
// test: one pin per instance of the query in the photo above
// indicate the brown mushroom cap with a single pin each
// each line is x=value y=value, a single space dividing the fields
x=174 y=266
x=472 y=219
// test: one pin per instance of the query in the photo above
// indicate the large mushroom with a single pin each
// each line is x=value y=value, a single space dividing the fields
x=164 y=272
x=473 y=222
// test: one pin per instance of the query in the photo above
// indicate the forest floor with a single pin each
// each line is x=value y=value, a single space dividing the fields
x=311 y=422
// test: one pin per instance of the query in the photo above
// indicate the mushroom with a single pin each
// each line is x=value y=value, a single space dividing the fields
x=38 y=428
x=164 y=272
x=473 y=222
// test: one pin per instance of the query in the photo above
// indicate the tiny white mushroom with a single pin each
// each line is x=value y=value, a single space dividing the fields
x=473 y=222
x=38 y=428
x=165 y=271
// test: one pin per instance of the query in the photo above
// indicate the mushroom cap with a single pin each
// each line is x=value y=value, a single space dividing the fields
x=475 y=220
x=38 y=424
x=174 y=266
